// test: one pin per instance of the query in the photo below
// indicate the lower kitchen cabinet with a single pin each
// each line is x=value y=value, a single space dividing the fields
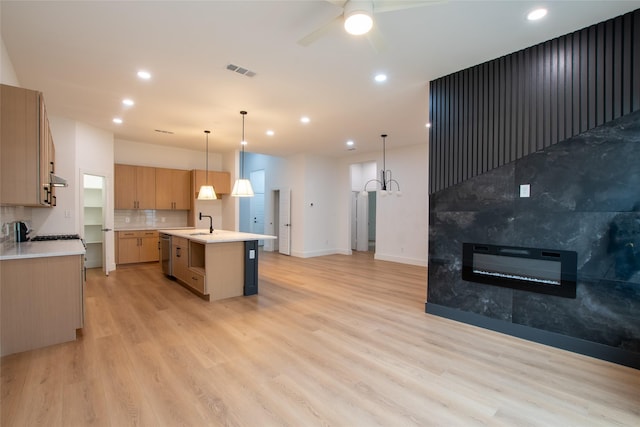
x=42 y=301
x=188 y=264
x=137 y=246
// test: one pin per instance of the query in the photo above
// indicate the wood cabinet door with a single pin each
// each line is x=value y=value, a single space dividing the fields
x=146 y=187
x=19 y=173
x=128 y=250
x=221 y=181
x=181 y=189
x=164 y=186
x=124 y=186
x=172 y=189
x=180 y=260
x=149 y=249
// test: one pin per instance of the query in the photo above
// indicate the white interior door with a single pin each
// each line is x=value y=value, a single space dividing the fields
x=284 y=222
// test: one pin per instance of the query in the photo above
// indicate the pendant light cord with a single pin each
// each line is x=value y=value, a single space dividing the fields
x=206 y=179
x=243 y=142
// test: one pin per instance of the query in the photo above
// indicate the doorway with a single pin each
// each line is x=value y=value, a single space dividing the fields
x=281 y=199
x=363 y=207
x=94 y=220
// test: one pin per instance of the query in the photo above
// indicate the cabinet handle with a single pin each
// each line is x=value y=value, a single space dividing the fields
x=55 y=200
x=194 y=278
x=178 y=252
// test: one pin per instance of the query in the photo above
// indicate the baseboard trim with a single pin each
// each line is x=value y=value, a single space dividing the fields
x=576 y=345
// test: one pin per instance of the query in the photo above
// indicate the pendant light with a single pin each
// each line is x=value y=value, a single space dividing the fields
x=385 y=180
x=242 y=187
x=206 y=191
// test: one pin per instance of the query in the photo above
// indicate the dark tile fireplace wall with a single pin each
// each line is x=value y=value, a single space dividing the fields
x=584 y=180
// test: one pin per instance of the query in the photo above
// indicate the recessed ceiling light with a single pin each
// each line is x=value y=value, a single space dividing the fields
x=428 y=125
x=128 y=102
x=117 y=120
x=534 y=15
x=270 y=132
x=380 y=78
x=144 y=74
x=243 y=142
x=350 y=143
x=305 y=119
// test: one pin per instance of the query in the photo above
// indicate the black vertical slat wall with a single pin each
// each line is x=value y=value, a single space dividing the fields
x=497 y=112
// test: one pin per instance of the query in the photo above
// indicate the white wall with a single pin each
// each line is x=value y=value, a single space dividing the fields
x=63 y=218
x=7 y=72
x=402 y=223
x=94 y=153
x=318 y=207
x=144 y=154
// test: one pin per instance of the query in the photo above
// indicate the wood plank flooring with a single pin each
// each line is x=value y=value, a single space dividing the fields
x=332 y=341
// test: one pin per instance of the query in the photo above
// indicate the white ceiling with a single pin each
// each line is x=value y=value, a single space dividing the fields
x=84 y=56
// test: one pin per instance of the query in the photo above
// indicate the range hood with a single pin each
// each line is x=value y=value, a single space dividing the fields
x=56 y=181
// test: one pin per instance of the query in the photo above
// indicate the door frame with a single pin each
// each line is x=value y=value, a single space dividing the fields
x=108 y=241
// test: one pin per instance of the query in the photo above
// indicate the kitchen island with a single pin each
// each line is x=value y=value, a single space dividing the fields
x=214 y=266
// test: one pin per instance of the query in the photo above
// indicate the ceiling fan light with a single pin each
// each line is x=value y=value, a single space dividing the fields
x=358 y=23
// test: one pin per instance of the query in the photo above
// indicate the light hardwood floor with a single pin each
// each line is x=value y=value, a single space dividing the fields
x=332 y=341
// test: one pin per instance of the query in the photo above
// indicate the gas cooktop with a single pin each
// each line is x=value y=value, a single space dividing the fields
x=55 y=237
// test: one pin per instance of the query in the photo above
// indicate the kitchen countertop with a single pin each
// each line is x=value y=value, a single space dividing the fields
x=13 y=250
x=202 y=235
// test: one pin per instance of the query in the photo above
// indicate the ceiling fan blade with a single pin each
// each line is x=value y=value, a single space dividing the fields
x=377 y=40
x=380 y=6
x=320 y=32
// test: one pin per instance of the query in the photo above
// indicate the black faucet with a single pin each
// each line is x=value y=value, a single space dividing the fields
x=210 y=221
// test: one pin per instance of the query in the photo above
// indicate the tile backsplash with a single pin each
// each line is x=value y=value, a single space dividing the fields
x=133 y=219
x=9 y=215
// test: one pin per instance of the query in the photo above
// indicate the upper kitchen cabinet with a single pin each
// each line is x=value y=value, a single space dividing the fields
x=172 y=189
x=221 y=181
x=26 y=147
x=135 y=187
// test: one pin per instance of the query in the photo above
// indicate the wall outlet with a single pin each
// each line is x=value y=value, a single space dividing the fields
x=163 y=219
x=127 y=220
x=525 y=190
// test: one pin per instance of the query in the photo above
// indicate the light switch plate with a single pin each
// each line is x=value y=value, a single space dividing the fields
x=252 y=254
x=525 y=190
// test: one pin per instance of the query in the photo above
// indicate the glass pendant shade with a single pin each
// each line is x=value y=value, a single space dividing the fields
x=242 y=188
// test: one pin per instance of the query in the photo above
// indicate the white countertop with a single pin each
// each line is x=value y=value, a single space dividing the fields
x=12 y=250
x=202 y=235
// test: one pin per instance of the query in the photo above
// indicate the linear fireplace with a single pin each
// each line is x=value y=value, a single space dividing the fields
x=544 y=271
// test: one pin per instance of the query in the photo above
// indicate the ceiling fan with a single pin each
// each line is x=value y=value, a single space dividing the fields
x=357 y=18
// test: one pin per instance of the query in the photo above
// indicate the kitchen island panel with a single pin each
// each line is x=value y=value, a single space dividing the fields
x=225 y=270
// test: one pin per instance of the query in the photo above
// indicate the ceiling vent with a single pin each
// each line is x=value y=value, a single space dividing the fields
x=164 y=131
x=240 y=70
